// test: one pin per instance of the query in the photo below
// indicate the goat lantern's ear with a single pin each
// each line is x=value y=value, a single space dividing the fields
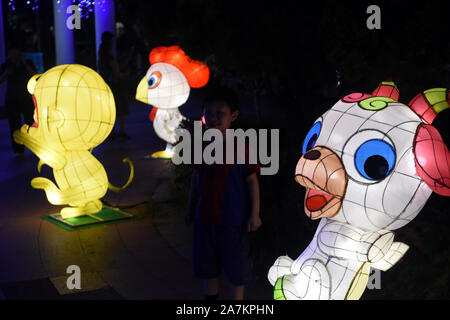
x=432 y=157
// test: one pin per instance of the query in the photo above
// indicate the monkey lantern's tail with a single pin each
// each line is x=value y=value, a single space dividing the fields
x=130 y=178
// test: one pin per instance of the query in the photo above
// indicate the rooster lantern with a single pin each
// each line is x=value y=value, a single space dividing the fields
x=369 y=165
x=166 y=86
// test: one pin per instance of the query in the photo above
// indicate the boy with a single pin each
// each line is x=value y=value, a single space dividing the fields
x=224 y=200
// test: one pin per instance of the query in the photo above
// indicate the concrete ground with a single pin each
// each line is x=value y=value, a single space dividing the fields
x=145 y=258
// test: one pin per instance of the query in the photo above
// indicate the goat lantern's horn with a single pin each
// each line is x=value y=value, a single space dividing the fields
x=432 y=157
x=429 y=103
x=388 y=89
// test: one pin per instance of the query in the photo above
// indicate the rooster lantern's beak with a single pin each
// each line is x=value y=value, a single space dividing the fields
x=142 y=90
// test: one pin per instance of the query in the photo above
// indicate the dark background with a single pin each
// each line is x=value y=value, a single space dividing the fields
x=289 y=56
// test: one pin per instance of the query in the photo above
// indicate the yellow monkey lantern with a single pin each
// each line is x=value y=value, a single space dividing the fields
x=74 y=112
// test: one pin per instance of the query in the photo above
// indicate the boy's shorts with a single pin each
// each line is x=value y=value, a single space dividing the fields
x=221 y=247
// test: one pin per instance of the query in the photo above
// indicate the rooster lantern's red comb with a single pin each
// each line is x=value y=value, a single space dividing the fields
x=196 y=72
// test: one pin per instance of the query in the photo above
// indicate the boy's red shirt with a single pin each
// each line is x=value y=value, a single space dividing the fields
x=222 y=190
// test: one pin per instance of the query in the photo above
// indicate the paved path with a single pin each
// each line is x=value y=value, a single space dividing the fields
x=146 y=258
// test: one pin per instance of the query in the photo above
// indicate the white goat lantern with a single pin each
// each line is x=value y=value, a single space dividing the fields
x=369 y=165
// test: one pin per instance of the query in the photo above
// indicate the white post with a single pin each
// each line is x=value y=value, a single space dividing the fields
x=2 y=57
x=64 y=45
x=105 y=20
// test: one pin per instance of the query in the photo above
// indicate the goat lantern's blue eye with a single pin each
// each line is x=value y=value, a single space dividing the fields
x=375 y=159
x=312 y=137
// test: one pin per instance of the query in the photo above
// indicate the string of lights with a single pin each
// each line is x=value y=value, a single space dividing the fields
x=86 y=7
x=34 y=4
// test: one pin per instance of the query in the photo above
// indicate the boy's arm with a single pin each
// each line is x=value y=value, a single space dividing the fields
x=254 y=222
x=193 y=199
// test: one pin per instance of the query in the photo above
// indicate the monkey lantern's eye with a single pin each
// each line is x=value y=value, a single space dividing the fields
x=374 y=159
x=154 y=80
x=312 y=137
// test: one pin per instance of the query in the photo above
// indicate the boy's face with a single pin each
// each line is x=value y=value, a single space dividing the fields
x=218 y=115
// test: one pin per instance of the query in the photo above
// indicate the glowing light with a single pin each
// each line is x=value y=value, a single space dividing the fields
x=69 y=122
x=34 y=6
x=166 y=86
x=369 y=164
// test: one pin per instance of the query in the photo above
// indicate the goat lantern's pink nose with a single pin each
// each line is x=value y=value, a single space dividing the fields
x=322 y=173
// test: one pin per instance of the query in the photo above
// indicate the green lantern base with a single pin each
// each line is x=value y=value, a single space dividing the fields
x=107 y=215
x=278 y=290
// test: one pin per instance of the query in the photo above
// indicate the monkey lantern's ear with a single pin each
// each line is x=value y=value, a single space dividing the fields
x=32 y=83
